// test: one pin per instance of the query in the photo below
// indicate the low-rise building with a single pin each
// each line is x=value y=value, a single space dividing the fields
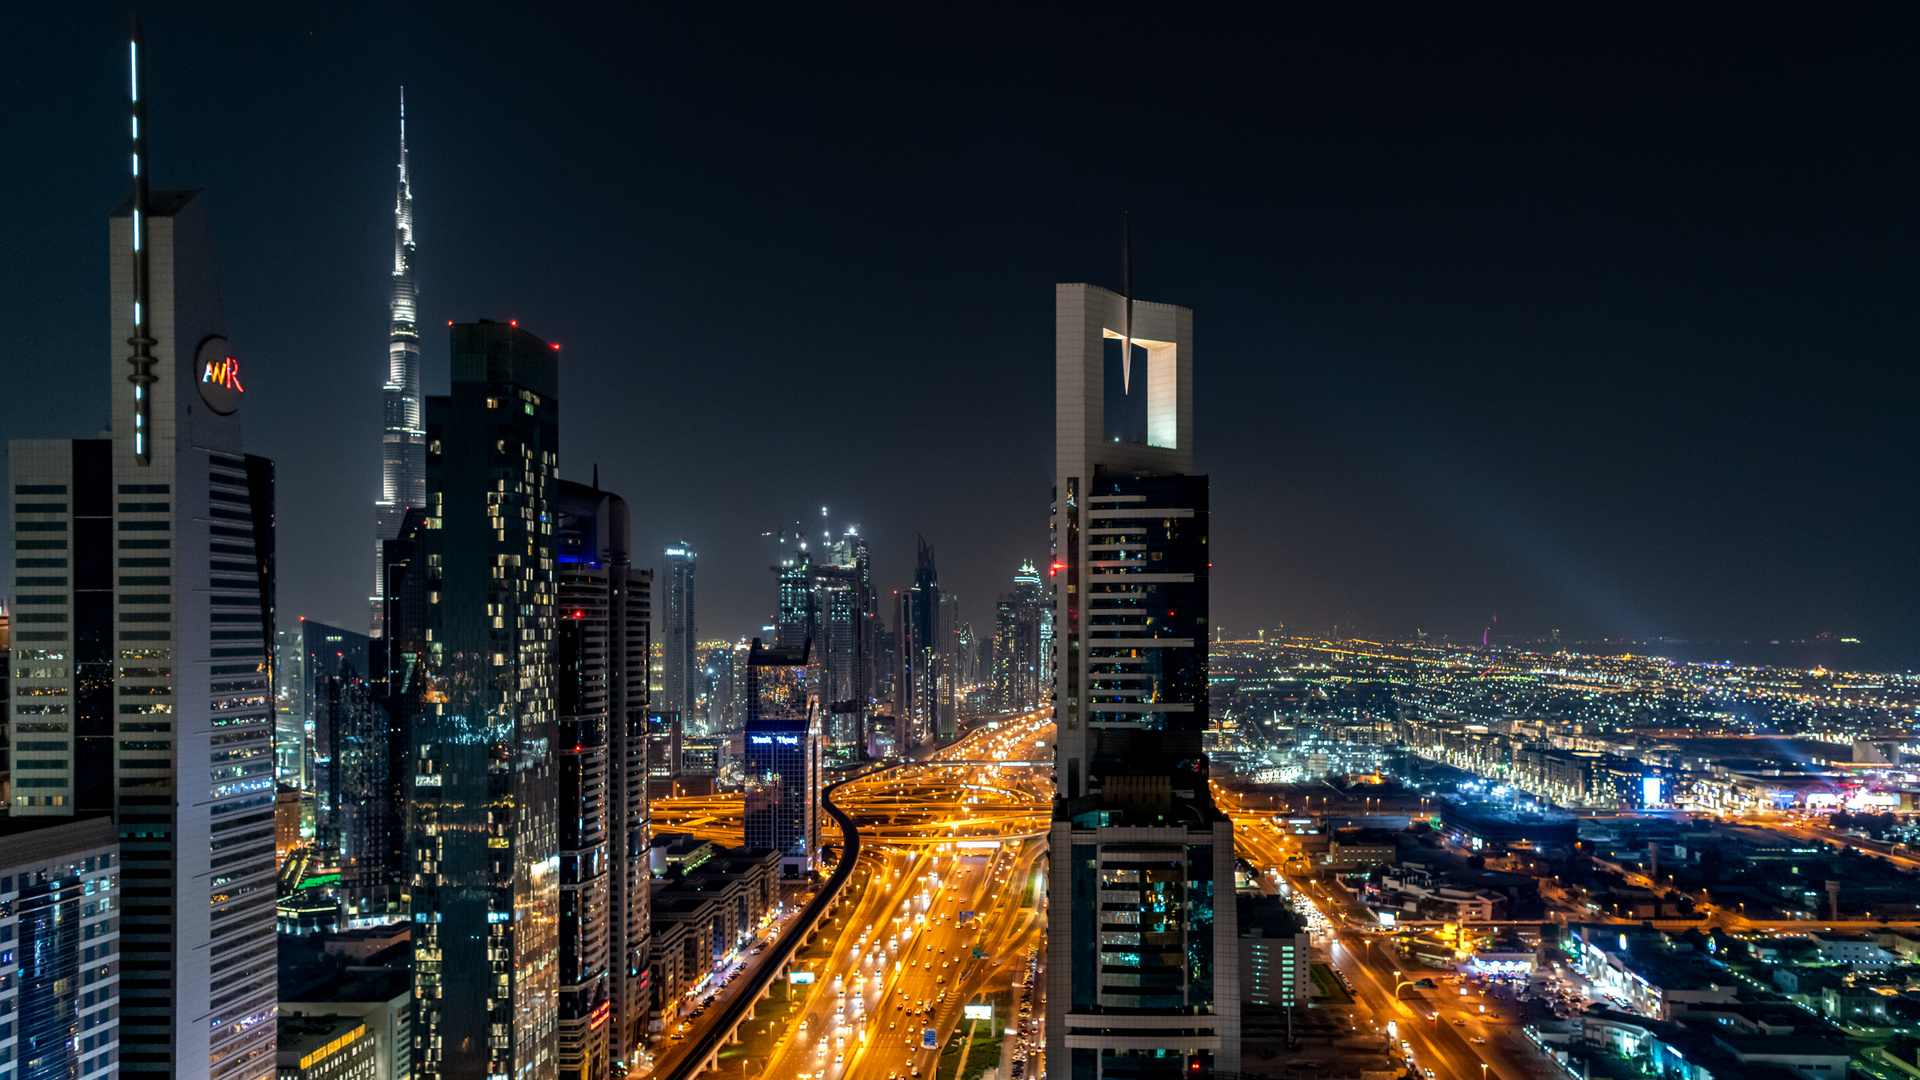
x=1853 y=950
x=702 y=914
x=1275 y=955
x=325 y=1048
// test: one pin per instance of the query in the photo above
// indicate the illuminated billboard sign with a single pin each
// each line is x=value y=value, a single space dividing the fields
x=800 y=977
x=980 y=1011
x=219 y=376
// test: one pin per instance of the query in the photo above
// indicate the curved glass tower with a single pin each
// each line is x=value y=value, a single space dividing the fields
x=403 y=460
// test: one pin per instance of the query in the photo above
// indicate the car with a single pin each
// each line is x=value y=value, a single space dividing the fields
x=1478 y=1040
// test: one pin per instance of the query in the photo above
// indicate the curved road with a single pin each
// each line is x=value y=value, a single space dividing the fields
x=716 y=1034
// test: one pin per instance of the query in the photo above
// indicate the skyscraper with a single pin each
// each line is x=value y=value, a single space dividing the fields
x=146 y=594
x=1143 y=958
x=680 y=683
x=1018 y=668
x=403 y=461
x=782 y=762
x=484 y=841
x=917 y=691
x=601 y=670
x=356 y=821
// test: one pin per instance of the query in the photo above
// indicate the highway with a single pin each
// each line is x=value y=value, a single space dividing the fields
x=902 y=959
x=687 y=1058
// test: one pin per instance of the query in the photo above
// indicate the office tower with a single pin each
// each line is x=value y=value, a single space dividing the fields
x=1017 y=669
x=146 y=591
x=844 y=606
x=483 y=839
x=403 y=446
x=289 y=709
x=1143 y=975
x=600 y=666
x=356 y=827
x=782 y=761
x=680 y=680
x=920 y=654
x=948 y=673
x=798 y=620
x=718 y=674
x=59 y=902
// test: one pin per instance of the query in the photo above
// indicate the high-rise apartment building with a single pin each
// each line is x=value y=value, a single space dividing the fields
x=680 y=679
x=145 y=583
x=483 y=834
x=782 y=761
x=60 y=897
x=403 y=450
x=601 y=668
x=1143 y=974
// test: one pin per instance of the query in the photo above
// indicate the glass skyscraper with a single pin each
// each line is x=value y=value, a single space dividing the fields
x=484 y=839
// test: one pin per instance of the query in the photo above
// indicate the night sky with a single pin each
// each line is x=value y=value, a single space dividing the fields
x=1604 y=324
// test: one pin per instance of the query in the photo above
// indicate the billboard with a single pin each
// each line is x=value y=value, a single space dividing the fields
x=800 y=977
x=978 y=1011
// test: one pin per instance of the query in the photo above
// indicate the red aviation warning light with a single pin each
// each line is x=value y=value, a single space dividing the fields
x=1054 y=570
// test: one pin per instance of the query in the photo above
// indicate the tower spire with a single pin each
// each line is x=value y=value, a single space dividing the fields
x=403 y=443
x=1126 y=293
x=142 y=376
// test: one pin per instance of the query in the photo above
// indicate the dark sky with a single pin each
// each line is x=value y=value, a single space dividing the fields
x=1603 y=323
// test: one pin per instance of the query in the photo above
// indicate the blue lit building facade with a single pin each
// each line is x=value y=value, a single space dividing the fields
x=781 y=766
x=60 y=967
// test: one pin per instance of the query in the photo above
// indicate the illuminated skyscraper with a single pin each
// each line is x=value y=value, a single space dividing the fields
x=143 y=660
x=1143 y=956
x=782 y=762
x=484 y=862
x=680 y=680
x=403 y=460
x=602 y=703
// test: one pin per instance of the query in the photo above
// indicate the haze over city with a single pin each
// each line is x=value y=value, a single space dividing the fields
x=1575 y=321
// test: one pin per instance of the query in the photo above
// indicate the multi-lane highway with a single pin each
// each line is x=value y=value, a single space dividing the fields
x=948 y=851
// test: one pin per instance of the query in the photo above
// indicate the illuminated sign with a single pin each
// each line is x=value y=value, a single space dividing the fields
x=982 y=1011
x=1650 y=790
x=787 y=740
x=929 y=1039
x=219 y=376
x=760 y=740
x=800 y=977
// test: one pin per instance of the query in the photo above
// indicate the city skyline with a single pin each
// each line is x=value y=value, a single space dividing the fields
x=1608 y=447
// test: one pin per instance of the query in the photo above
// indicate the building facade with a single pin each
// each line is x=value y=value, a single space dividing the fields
x=680 y=679
x=60 y=972
x=1144 y=962
x=483 y=835
x=781 y=766
x=145 y=598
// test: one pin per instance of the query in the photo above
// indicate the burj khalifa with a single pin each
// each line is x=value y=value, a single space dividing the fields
x=403 y=451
